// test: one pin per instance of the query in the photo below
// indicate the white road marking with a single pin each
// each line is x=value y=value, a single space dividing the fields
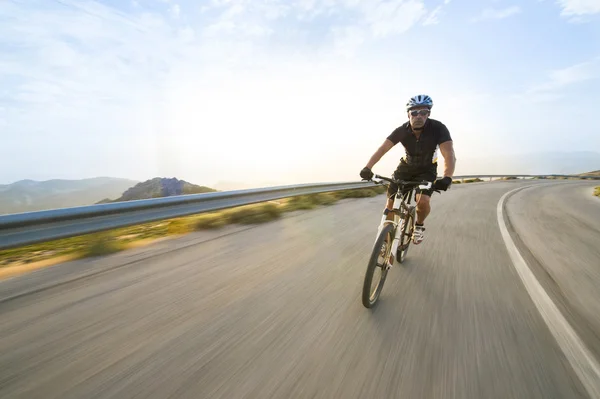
x=581 y=359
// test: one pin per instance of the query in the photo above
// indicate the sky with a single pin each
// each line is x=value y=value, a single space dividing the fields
x=286 y=91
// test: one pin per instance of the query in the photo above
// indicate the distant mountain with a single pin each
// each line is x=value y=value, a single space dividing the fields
x=530 y=163
x=160 y=187
x=593 y=173
x=32 y=195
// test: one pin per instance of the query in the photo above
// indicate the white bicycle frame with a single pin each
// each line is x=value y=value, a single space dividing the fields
x=397 y=222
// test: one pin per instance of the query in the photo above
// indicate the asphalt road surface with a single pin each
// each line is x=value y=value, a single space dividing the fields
x=274 y=311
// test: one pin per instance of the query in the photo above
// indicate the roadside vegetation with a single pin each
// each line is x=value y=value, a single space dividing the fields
x=475 y=180
x=98 y=244
x=112 y=241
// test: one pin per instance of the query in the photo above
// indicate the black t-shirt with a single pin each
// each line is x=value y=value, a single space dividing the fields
x=422 y=151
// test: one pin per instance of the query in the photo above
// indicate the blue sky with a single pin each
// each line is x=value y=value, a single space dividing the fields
x=286 y=90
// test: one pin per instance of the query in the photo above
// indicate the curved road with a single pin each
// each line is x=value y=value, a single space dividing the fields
x=274 y=311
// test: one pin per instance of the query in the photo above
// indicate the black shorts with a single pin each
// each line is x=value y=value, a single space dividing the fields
x=412 y=173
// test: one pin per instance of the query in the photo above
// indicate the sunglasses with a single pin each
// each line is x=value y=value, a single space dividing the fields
x=421 y=112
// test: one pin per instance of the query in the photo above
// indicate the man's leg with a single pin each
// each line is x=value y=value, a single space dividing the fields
x=423 y=207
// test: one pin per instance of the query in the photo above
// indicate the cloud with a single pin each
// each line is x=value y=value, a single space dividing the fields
x=393 y=17
x=79 y=60
x=432 y=18
x=174 y=79
x=380 y=17
x=579 y=7
x=348 y=39
x=175 y=11
x=491 y=13
x=561 y=79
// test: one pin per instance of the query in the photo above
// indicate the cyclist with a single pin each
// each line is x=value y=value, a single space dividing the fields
x=421 y=137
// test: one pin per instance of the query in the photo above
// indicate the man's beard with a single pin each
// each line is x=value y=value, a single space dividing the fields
x=418 y=125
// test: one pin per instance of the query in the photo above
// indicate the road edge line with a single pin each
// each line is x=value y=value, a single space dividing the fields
x=580 y=358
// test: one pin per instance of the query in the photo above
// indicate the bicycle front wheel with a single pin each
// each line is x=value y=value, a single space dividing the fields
x=377 y=266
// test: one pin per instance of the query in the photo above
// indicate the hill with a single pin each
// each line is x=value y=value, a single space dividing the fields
x=594 y=173
x=32 y=195
x=160 y=187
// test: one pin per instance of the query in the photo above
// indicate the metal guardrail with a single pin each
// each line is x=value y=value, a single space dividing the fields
x=34 y=227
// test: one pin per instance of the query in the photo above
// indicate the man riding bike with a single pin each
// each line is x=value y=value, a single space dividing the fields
x=421 y=137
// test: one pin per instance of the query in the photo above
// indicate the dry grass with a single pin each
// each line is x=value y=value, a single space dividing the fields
x=475 y=180
x=104 y=244
x=109 y=242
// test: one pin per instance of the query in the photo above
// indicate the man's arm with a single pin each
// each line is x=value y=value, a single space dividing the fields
x=447 y=150
x=385 y=147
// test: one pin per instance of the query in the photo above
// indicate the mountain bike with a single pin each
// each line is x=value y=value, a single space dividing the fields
x=393 y=236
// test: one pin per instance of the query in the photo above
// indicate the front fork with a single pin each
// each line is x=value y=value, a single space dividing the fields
x=398 y=222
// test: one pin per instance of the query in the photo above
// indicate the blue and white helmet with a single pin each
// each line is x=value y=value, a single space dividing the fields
x=419 y=100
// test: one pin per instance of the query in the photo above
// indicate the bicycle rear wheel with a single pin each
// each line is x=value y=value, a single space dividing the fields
x=377 y=263
x=408 y=226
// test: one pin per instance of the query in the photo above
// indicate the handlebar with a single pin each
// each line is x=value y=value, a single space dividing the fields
x=423 y=184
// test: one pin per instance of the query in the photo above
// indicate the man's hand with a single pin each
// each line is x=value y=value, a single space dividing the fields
x=442 y=184
x=366 y=173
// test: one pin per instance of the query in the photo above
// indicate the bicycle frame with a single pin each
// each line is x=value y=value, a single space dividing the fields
x=400 y=206
x=391 y=230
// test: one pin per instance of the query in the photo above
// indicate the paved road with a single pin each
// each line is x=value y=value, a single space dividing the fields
x=559 y=229
x=274 y=311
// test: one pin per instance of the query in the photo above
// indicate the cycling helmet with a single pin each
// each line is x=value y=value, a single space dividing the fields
x=419 y=100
